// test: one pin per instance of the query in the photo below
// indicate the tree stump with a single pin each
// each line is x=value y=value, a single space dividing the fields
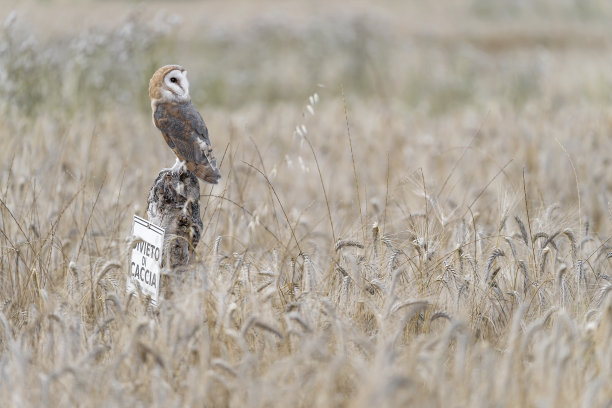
x=174 y=204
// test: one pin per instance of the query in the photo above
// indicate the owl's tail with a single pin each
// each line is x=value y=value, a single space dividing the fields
x=207 y=173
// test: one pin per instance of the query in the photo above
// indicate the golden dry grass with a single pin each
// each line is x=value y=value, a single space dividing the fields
x=432 y=229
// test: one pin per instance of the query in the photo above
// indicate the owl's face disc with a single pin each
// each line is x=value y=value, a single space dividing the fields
x=169 y=84
x=176 y=83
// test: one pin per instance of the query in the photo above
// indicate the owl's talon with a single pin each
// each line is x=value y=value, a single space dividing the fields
x=179 y=167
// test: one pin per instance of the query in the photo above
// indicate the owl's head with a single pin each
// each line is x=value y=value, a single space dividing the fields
x=169 y=84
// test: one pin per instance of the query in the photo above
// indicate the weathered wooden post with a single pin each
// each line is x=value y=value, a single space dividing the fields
x=174 y=204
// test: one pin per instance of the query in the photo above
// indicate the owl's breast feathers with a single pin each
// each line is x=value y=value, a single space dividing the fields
x=185 y=132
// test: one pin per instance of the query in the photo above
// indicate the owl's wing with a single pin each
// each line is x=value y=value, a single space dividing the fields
x=185 y=132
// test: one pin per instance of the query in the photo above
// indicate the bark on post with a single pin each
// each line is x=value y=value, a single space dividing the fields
x=174 y=204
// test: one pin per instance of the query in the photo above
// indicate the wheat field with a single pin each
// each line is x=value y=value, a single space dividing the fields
x=414 y=209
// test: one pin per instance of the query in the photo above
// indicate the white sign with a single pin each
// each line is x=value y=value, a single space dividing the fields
x=146 y=259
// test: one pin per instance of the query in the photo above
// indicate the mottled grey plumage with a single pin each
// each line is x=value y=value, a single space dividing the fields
x=187 y=135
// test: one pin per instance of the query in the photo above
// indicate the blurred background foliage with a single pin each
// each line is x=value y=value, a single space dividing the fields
x=99 y=67
x=413 y=56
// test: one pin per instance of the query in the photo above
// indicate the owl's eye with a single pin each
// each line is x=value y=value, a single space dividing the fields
x=172 y=79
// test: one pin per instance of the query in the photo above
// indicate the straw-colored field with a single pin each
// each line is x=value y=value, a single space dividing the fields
x=414 y=209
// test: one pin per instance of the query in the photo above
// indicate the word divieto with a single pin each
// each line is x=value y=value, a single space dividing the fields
x=149 y=250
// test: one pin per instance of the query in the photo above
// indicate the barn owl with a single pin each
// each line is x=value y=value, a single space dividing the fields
x=181 y=124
